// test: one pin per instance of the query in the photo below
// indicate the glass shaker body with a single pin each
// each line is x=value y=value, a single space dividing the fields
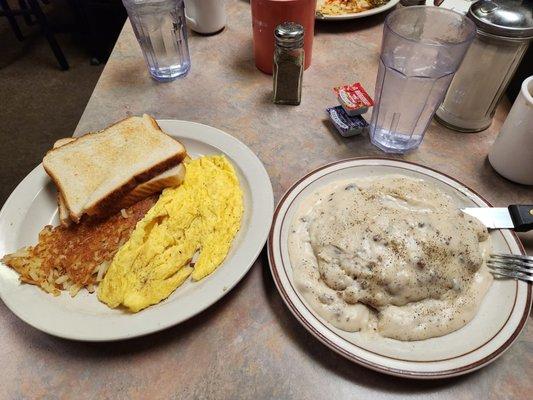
x=288 y=74
x=480 y=82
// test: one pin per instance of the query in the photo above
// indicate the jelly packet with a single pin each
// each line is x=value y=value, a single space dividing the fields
x=353 y=98
x=346 y=125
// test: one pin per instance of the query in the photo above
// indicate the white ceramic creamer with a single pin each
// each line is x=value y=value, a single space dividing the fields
x=512 y=152
x=205 y=16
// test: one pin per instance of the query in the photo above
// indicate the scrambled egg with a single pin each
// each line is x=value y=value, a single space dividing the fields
x=202 y=215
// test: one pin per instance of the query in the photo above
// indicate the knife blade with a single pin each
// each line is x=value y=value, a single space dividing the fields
x=516 y=216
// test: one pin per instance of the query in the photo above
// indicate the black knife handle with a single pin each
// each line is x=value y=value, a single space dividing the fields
x=522 y=217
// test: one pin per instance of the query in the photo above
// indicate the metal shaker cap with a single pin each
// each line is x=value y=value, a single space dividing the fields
x=289 y=35
x=510 y=18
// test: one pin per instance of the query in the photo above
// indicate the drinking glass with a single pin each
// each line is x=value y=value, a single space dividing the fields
x=160 y=28
x=421 y=50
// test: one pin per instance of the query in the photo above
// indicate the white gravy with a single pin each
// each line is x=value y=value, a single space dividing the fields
x=391 y=255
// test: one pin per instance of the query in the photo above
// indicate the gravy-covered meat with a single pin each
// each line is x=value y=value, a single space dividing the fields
x=397 y=245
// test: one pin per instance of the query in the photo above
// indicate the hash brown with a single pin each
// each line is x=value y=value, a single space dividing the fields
x=77 y=256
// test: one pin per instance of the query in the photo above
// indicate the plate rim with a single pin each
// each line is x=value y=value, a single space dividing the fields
x=361 y=14
x=263 y=231
x=356 y=358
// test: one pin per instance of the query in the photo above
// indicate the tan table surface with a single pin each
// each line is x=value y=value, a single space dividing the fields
x=248 y=345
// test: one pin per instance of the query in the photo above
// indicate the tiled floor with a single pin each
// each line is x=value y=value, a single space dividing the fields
x=39 y=103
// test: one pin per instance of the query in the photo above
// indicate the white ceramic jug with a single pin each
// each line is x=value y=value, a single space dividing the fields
x=512 y=152
x=205 y=16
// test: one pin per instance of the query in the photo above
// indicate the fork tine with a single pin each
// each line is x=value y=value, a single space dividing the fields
x=509 y=259
x=511 y=262
x=511 y=274
x=511 y=265
x=526 y=259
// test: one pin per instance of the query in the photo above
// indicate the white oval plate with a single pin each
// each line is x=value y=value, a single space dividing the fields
x=32 y=205
x=501 y=317
x=361 y=14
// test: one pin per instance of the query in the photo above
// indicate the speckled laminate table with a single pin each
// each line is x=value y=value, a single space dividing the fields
x=248 y=345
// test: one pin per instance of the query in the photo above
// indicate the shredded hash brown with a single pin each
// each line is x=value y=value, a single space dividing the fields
x=70 y=258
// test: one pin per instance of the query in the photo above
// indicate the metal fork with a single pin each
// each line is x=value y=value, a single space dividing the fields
x=512 y=266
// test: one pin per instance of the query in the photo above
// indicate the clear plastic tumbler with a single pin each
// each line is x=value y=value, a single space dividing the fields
x=161 y=30
x=421 y=50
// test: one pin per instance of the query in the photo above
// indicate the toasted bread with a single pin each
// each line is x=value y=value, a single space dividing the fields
x=64 y=218
x=95 y=172
x=171 y=177
x=63 y=141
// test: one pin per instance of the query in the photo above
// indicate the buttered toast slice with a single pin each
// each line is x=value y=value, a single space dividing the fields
x=95 y=172
x=169 y=178
x=172 y=177
x=64 y=218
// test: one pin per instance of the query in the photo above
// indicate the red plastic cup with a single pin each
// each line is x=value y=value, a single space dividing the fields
x=267 y=14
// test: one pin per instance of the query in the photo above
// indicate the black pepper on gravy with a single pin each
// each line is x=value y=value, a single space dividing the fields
x=391 y=255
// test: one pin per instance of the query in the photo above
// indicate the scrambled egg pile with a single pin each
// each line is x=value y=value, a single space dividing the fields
x=202 y=215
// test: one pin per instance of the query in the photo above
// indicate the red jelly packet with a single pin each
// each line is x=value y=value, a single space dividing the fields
x=353 y=96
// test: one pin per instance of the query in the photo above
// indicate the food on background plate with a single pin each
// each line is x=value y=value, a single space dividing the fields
x=202 y=215
x=95 y=173
x=108 y=199
x=341 y=7
x=389 y=255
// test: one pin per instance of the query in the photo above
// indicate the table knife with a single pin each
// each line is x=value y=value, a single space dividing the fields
x=518 y=217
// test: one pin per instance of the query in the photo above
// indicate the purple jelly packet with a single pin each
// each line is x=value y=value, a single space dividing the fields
x=346 y=125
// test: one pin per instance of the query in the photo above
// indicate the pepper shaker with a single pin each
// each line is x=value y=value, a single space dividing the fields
x=288 y=63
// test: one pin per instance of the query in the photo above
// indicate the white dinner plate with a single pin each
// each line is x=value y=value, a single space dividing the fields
x=33 y=205
x=502 y=315
x=361 y=14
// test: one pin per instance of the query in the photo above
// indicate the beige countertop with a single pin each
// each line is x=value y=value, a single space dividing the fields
x=248 y=345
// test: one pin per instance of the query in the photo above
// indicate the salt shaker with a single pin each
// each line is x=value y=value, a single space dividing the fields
x=504 y=31
x=288 y=63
